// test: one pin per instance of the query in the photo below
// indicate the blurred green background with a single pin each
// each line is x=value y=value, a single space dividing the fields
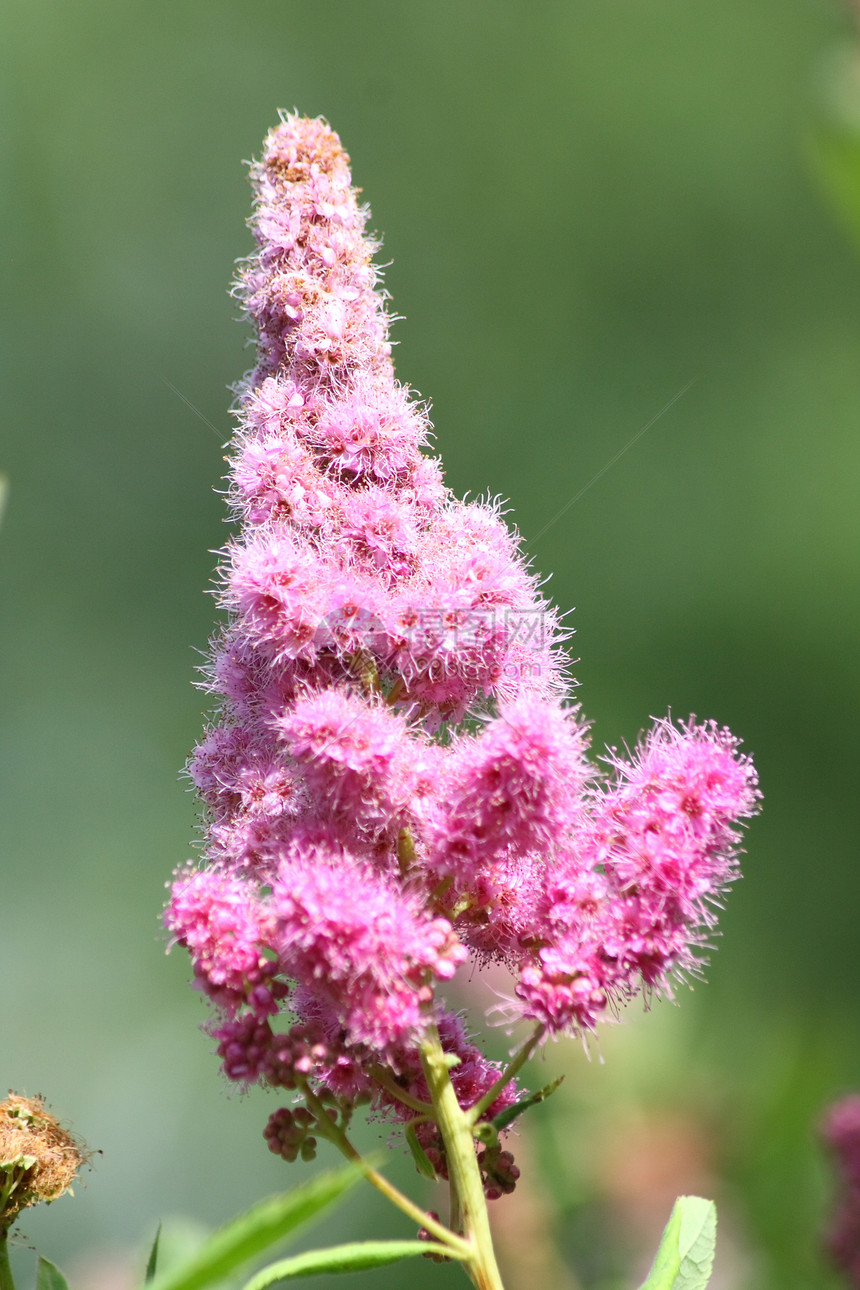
x=587 y=205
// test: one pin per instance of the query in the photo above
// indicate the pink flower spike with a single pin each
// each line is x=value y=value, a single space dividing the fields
x=394 y=781
x=840 y=1129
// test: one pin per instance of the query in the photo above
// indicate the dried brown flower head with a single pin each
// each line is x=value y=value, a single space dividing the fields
x=38 y=1158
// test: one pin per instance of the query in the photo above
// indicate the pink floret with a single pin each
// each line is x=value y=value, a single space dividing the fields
x=362 y=946
x=514 y=790
x=668 y=824
x=226 y=930
x=630 y=903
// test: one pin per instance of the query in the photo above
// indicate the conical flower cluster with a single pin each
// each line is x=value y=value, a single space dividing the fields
x=395 y=783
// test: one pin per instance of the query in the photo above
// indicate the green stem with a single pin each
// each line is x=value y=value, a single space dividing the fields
x=455 y=1219
x=6 y=1282
x=406 y=854
x=414 y=1103
x=465 y=1175
x=512 y=1069
x=460 y=1249
x=396 y=692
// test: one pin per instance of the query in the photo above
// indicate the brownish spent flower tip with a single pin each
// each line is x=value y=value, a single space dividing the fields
x=297 y=157
x=38 y=1157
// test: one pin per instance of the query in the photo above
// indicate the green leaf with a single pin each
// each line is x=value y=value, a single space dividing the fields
x=697 y=1242
x=506 y=1117
x=419 y=1155
x=354 y=1257
x=667 y=1261
x=4 y=494
x=49 y=1277
x=832 y=136
x=19 y=1164
x=153 y=1257
x=685 y=1257
x=249 y=1235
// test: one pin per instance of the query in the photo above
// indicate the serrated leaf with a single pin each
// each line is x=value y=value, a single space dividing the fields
x=419 y=1155
x=506 y=1117
x=49 y=1276
x=354 y=1257
x=153 y=1257
x=685 y=1257
x=697 y=1242
x=253 y=1232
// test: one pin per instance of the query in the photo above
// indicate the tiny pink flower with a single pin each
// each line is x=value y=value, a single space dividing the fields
x=361 y=946
x=226 y=930
x=514 y=790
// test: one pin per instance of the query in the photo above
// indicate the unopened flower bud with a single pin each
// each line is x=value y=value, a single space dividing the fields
x=424 y=1235
x=499 y=1172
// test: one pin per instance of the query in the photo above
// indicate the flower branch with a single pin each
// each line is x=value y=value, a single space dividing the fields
x=396 y=783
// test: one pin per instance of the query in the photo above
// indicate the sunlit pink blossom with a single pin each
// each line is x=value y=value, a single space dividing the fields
x=395 y=780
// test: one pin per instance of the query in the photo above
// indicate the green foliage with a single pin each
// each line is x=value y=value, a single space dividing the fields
x=419 y=1155
x=153 y=1257
x=686 y=1253
x=49 y=1277
x=506 y=1117
x=833 y=136
x=247 y=1236
x=356 y=1256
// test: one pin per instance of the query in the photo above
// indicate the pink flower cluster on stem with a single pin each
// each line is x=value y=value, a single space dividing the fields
x=840 y=1130
x=395 y=783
